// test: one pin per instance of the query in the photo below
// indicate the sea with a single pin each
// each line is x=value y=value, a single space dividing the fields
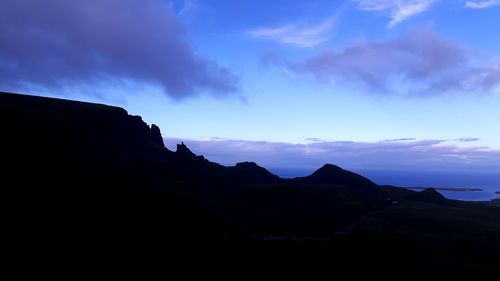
x=488 y=183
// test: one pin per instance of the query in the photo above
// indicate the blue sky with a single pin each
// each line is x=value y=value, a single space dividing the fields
x=423 y=75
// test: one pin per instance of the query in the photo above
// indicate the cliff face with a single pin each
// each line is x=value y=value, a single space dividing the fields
x=72 y=169
x=67 y=128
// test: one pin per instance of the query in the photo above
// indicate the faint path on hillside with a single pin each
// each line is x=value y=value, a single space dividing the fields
x=347 y=230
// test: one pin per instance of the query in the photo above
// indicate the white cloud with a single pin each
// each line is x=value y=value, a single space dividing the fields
x=426 y=63
x=400 y=10
x=298 y=36
x=481 y=4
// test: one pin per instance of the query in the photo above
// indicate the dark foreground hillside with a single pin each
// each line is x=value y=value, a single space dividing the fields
x=90 y=181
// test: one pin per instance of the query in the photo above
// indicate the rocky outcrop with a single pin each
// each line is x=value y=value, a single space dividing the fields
x=184 y=151
x=156 y=134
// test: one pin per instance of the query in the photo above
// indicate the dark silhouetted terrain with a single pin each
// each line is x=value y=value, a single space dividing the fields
x=92 y=181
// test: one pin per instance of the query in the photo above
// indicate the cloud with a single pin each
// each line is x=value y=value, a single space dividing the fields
x=417 y=62
x=469 y=139
x=400 y=10
x=481 y=4
x=401 y=139
x=314 y=140
x=297 y=36
x=182 y=7
x=409 y=155
x=59 y=43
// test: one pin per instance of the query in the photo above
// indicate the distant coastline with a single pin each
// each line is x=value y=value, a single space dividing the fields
x=450 y=188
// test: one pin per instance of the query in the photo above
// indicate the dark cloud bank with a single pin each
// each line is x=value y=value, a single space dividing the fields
x=56 y=43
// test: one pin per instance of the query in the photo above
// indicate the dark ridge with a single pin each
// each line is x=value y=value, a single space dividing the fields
x=395 y=192
x=78 y=127
x=331 y=174
x=248 y=164
x=22 y=103
x=430 y=195
x=251 y=172
x=93 y=131
x=89 y=181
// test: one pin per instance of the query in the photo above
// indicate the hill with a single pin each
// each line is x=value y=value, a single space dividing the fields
x=92 y=181
x=331 y=174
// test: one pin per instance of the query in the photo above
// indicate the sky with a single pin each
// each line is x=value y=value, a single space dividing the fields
x=372 y=85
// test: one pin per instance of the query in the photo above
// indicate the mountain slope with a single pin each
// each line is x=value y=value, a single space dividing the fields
x=331 y=174
x=95 y=182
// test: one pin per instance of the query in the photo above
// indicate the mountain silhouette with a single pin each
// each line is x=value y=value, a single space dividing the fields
x=251 y=172
x=429 y=195
x=91 y=181
x=331 y=174
x=95 y=131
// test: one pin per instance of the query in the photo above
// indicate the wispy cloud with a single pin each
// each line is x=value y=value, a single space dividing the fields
x=314 y=140
x=481 y=4
x=419 y=59
x=399 y=10
x=298 y=36
x=468 y=139
x=401 y=139
x=182 y=7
